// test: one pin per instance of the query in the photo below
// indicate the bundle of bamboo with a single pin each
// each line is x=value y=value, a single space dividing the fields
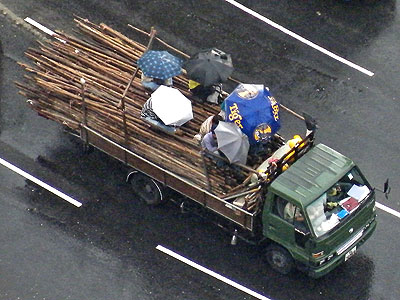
x=109 y=100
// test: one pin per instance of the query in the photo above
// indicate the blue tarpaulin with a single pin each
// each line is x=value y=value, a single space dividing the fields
x=254 y=110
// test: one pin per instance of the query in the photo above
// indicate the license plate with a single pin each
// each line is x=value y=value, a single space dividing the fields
x=350 y=253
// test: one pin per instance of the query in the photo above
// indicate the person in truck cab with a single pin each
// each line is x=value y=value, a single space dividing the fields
x=292 y=213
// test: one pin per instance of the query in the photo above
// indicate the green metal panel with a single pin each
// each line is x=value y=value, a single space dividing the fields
x=311 y=175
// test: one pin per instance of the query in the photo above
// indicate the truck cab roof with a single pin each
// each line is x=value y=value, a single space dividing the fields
x=311 y=175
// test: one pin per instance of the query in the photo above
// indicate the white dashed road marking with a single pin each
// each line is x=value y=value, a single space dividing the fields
x=387 y=209
x=298 y=37
x=43 y=28
x=211 y=273
x=40 y=183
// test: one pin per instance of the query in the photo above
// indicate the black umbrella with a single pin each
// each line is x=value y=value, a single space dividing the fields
x=210 y=66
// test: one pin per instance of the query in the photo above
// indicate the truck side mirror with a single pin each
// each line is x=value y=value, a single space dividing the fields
x=386 y=188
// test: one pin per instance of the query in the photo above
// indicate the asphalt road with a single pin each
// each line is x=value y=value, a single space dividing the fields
x=106 y=249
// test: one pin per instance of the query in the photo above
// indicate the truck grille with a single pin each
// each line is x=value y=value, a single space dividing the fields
x=350 y=242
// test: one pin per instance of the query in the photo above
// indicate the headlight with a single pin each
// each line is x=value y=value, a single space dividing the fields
x=319 y=254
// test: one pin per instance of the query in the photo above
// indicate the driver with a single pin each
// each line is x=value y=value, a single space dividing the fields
x=293 y=215
x=292 y=212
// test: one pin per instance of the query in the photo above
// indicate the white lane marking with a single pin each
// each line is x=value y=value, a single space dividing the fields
x=40 y=183
x=43 y=28
x=387 y=209
x=300 y=38
x=211 y=273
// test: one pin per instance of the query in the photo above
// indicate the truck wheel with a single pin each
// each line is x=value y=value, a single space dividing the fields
x=279 y=259
x=147 y=189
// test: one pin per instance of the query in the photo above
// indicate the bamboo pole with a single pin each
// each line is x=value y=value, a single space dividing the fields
x=105 y=58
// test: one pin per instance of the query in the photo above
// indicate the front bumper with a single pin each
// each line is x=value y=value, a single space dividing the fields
x=317 y=272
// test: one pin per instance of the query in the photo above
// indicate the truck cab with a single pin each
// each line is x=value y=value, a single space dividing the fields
x=317 y=213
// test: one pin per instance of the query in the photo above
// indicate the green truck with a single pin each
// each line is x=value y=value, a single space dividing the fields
x=308 y=206
x=322 y=240
x=319 y=233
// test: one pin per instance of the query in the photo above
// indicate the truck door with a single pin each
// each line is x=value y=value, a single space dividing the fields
x=285 y=223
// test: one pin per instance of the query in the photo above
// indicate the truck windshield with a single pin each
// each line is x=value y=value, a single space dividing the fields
x=337 y=203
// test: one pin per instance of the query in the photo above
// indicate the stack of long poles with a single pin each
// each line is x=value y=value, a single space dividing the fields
x=106 y=60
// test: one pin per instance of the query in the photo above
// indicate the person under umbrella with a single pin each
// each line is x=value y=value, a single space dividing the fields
x=158 y=68
x=167 y=108
x=200 y=91
x=210 y=143
x=209 y=67
x=208 y=125
x=206 y=70
x=232 y=142
x=227 y=141
x=152 y=84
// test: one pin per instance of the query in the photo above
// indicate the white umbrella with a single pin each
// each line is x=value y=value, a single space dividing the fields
x=171 y=106
x=232 y=142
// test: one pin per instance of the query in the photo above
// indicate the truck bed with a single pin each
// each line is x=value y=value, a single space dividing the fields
x=106 y=60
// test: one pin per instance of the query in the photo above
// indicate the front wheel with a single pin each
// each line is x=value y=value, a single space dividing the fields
x=279 y=259
x=149 y=190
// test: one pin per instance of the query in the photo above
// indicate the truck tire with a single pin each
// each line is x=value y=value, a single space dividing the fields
x=279 y=259
x=147 y=189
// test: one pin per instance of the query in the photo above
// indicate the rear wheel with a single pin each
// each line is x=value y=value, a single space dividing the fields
x=149 y=190
x=279 y=259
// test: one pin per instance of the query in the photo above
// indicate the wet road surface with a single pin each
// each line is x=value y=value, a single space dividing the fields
x=106 y=249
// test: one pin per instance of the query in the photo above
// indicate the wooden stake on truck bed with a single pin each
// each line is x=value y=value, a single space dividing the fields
x=84 y=134
x=152 y=35
x=121 y=104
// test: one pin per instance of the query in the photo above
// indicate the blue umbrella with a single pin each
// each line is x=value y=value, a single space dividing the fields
x=160 y=64
x=254 y=110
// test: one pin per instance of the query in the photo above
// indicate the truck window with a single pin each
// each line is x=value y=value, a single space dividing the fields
x=279 y=206
x=290 y=213
x=338 y=202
